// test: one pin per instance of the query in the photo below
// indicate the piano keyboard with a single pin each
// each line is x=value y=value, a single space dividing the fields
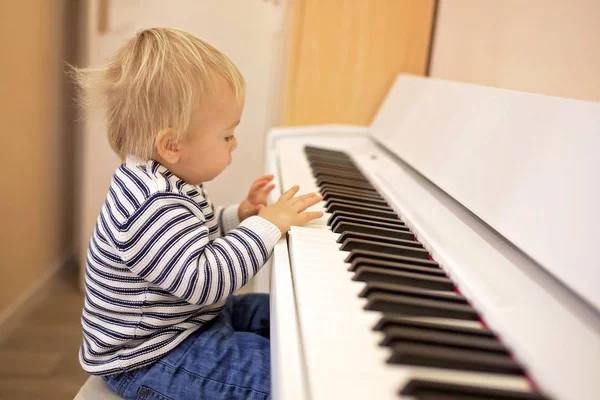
x=386 y=313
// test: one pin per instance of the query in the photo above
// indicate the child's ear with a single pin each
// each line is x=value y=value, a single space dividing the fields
x=166 y=146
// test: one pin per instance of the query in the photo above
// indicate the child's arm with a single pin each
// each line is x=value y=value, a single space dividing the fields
x=166 y=243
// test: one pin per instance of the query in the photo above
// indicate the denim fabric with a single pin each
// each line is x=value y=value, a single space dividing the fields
x=227 y=358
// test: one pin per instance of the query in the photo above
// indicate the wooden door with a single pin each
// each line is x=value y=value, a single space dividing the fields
x=345 y=54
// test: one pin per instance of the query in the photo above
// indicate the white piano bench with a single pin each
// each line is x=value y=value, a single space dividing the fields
x=96 y=389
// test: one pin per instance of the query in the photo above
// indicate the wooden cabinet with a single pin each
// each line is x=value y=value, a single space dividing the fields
x=345 y=54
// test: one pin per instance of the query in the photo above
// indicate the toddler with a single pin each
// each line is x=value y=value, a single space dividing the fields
x=159 y=319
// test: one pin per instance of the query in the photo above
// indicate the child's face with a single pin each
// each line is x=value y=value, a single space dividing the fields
x=206 y=151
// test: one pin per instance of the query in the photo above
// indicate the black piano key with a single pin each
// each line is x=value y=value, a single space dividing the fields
x=352 y=177
x=317 y=166
x=387 y=248
x=320 y=167
x=366 y=273
x=378 y=238
x=396 y=225
x=355 y=184
x=392 y=320
x=322 y=172
x=422 y=389
x=344 y=227
x=309 y=149
x=356 y=200
x=324 y=161
x=420 y=307
x=320 y=150
x=329 y=154
x=389 y=257
x=392 y=266
x=365 y=211
x=339 y=216
x=444 y=357
x=398 y=335
x=327 y=190
x=351 y=190
x=411 y=291
x=358 y=203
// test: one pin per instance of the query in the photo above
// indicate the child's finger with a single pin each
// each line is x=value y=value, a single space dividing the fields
x=268 y=189
x=290 y=193
x=302 y=198
x=306 y=201
x=267 y=177
x=309 y=216
x=258 y=184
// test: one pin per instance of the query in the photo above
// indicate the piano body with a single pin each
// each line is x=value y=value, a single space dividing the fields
x=456 y=256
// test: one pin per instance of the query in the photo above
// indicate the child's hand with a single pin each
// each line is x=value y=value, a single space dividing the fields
x=257 y=197
x=289 y=210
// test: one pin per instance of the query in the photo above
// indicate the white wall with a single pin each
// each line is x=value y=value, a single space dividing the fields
x=250 y=32
x=541 y=46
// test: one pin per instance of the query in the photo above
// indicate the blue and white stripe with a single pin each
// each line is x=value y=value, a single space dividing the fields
x=160 y=265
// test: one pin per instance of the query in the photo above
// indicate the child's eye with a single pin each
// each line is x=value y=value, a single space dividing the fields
x=228 y=138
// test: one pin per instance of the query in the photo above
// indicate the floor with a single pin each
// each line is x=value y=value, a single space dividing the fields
x=38 y=360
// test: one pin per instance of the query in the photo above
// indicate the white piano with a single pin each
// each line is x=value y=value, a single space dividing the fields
x=470 y=218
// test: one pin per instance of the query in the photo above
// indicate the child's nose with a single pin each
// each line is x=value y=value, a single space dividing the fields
x=234 y=144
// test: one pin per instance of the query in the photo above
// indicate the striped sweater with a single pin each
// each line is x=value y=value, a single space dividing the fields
x=160 y=265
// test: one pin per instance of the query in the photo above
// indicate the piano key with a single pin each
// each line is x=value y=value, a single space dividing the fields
x=353 y=184
x=390 y=288
x=352 y=177
x=443 y=325
x=344 y=227
x=397 y=335
x=395 y=266
x=326 y=189
x=339 y=173
x=365 y=211
x=356 y=202
x=319 y=150
x=322 y=165
x=435 y=390
x=331 y=154
x=366 y=273
x=421 y=307
x=338 y=216
x=443 y=357
x=387 y=248
x=390 y=319
x=316 y=161
x=378 y=238
x=389 y=257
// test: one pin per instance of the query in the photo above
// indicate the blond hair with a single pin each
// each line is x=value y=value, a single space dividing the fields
x=153 y=82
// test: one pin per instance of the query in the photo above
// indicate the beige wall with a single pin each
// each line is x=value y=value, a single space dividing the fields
x=35 y=233
x=542 y=46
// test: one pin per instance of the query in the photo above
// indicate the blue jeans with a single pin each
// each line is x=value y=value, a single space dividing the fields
x=227 y=358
